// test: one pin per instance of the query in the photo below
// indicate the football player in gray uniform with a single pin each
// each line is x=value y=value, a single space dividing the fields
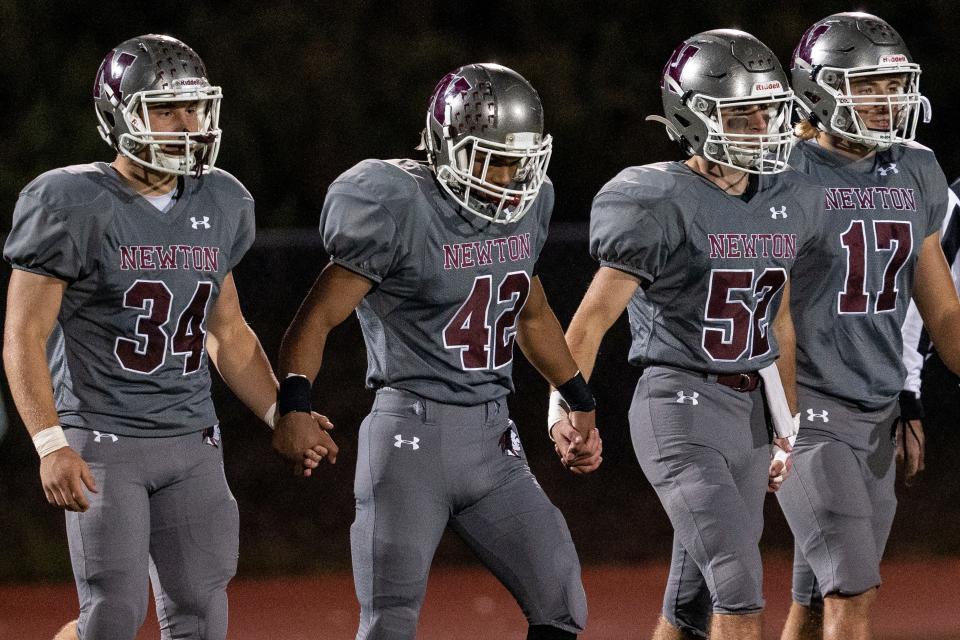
x=121 y=291
x=438 y=259
x=879 y=243
x=699 y=253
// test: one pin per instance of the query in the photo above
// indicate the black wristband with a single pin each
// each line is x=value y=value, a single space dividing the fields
x=910 y=406
x=576 y=393
x=294 y=395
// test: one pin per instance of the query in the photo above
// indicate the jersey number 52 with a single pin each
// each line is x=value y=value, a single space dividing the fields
x=742 y=327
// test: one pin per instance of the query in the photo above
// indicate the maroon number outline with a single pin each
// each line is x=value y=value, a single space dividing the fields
x=148 y=352
x=152 y=298
x=735 y=312
x=515 y=287
x=459 y=331
x=480 y=347
x=189 y=339
x=887 y=233
x=895 y=236
x=742 y=329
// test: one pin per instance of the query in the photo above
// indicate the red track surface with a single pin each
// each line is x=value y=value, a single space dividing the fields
x=919 y=601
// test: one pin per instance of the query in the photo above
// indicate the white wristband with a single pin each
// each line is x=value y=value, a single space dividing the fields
x=270 y=417
x=557 y=410
x=780 y=454
x=49 y=440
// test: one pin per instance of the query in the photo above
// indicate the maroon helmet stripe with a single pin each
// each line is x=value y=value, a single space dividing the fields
x=111 y=73
x=805 y=48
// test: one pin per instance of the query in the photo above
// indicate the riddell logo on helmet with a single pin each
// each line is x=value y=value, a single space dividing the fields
x=767 y=87
x=189 y=82
x=897 y=58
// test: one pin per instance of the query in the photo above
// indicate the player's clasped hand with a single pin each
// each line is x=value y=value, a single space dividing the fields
x=579 y=454
x=303 y=439
x=910 y=449
x=63 y=475
x=780 y=464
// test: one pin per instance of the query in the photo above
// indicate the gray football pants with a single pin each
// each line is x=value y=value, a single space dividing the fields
x=422 y=465
x=839 y=499
x=705 y=448
x=163 y=515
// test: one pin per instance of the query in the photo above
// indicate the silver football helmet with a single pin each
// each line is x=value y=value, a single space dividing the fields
x=845 y=50
x=482 y=116
x=149 y=70
x=726 y=98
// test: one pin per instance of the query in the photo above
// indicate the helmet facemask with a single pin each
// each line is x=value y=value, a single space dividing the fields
x=199 y=148
x=901 y=110
x=465 y=176
x=485 y=142
x=729 y=139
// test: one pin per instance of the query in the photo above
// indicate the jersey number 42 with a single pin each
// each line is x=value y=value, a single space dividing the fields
x=481 y=345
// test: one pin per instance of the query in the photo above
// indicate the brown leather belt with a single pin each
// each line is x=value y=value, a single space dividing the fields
x=742 y=382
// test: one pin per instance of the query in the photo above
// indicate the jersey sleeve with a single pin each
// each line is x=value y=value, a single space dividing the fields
x=627 y=236
x=246 y=232
x=936 y=194
x=43 y=241
x=358 y=232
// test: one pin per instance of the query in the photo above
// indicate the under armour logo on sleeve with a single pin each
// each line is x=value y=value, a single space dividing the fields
x=778 y=213
x=888 y=169
x=823 y=415
x=399 y=442
x=97 y=436
x=202 y=222
x=683 y=398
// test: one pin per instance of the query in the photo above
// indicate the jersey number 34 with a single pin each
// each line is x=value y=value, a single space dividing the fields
x=148 y=351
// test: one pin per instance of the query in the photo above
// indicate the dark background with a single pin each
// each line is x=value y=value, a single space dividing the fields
x=312 y=88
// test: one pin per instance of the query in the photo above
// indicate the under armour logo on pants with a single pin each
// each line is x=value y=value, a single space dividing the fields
x=682 y=398
x=97 y=436
x=811 y=415
x=399 y=442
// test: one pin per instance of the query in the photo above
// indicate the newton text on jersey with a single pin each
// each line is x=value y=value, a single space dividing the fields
x=147 y=257
x=752 y=245
x=465 y=255
x=899 y=198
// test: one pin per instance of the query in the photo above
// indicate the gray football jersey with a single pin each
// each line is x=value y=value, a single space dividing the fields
x=127 y=355
x=713 y=266
x=852 y=291
x=441 y=319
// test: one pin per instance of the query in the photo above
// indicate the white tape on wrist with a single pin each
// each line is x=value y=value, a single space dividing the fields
x=49 y=440
x=780 y=454
x=270 y=417
x=557 y=410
